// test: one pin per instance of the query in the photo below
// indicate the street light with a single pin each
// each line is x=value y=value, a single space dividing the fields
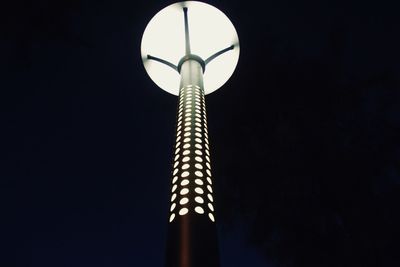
x=191 y=49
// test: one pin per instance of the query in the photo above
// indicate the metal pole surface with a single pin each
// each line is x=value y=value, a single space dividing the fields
x=192 y=235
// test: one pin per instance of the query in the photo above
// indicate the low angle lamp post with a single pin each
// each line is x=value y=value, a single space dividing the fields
x=190 y=49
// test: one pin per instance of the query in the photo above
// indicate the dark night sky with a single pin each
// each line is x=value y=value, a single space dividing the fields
x=305 y=136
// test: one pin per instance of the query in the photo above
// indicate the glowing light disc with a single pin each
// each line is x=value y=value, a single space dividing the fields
x=210 y=31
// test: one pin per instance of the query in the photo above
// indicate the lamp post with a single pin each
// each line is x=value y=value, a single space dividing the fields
x=191 y=49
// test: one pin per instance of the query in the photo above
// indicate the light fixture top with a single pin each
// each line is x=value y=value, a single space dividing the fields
x=190 y=30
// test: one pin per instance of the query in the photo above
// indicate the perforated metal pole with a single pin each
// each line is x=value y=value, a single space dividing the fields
x=192 y=236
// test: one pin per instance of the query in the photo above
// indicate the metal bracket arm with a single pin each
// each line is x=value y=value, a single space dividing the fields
x=218 y=54
x=169 y=64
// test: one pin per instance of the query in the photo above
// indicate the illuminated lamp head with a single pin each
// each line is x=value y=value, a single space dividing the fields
x=190 y=30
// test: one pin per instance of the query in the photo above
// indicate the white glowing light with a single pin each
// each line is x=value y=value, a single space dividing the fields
x=198 y=190
x=210 y=206
x=185 y=166
x=173 y=206
x=199 y=200
x=185 y=182
x=183 y=211
x=211 y=217
x=198 y=146
x=210 y=31
x=174 y=188
x=199 y=181
x=184 y=191
x=198 y=166
x=199 y=210
x=171 y=218
x=183 y=201
x=173 y=197
x=209 y=188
